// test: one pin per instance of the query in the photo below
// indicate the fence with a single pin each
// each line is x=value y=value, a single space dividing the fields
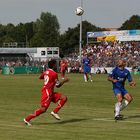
x=21 y=70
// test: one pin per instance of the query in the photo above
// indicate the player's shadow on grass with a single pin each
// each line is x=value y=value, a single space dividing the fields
x=131 y=117
x=74 y=120
x=71 y=121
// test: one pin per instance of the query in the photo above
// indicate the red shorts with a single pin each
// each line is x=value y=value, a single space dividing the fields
x=48 y=96
x=62 y=71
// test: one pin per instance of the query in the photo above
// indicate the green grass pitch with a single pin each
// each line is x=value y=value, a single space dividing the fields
x=88 y=114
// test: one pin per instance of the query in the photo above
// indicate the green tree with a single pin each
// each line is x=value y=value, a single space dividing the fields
x=29 y=31
x=47 y=30
x=10 y=28
x=6 y=33
x=2 y=30
x=19 y=34
x=132 y=23
x=2 y=34
x=69 y=41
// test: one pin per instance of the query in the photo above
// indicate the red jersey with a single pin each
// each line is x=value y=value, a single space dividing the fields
x=50 y=79
x=63 y=65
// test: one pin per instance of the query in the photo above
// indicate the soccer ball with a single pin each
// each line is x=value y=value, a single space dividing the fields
x=79 y=11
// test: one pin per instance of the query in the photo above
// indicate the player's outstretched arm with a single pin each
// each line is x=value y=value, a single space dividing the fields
x=62 y=82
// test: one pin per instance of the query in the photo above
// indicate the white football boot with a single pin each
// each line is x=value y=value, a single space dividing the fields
x=55 y=115
x=26 y=122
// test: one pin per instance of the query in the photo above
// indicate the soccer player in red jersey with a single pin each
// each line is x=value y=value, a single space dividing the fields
x=48 y=95
x=63 y=68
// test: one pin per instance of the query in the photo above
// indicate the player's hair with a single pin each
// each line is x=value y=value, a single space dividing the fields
x=52 y=63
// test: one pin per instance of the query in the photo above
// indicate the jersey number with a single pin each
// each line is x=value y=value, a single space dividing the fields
x=46 y=79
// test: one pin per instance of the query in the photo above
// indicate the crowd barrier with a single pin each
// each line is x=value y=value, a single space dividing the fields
x=135 y=72
x=38 y=69
x=21 y=70
x=108 y=69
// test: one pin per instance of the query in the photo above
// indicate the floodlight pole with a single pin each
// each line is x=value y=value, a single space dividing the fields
x=80 y=40
x=26 y=41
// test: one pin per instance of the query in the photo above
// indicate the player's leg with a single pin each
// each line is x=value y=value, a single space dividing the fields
x=119 y=98
x=45 y=102
x=61 y=100
x=62 y=74
x=128 y=99
x=90 y=76
x=34 y=114
x=85 y=76
x=118 y=105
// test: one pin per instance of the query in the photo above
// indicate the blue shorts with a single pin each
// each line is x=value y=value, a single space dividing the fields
x=87 y=70
x=123 y=91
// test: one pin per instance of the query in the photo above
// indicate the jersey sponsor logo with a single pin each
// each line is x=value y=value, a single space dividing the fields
x=120 y=79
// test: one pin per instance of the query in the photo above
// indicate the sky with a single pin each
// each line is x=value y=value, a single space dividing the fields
x=102 y=13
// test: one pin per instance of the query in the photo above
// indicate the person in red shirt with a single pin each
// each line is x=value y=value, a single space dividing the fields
x=48 y=95
x=63 y=68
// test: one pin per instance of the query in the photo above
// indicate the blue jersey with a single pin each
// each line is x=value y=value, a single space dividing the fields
x=86 y=65
x=121 y=75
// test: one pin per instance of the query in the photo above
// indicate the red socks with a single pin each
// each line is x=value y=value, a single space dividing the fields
x=61 y=102
x=35 y=114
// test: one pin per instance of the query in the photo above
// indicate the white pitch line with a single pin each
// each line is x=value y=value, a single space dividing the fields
x=94 y=119
x=112 y=120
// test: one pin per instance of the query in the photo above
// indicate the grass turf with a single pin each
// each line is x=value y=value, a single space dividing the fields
x=88 y=114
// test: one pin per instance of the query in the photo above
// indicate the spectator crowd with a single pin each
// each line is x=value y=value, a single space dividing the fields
x=102 y=54
x=106 y=54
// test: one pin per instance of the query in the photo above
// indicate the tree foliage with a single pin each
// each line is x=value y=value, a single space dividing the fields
x=132 y=23
x=69 y=41
x=47 y=28
x=45 y=32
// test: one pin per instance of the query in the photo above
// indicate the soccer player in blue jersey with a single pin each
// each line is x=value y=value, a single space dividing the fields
x=118 y=77
x=87 y=68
